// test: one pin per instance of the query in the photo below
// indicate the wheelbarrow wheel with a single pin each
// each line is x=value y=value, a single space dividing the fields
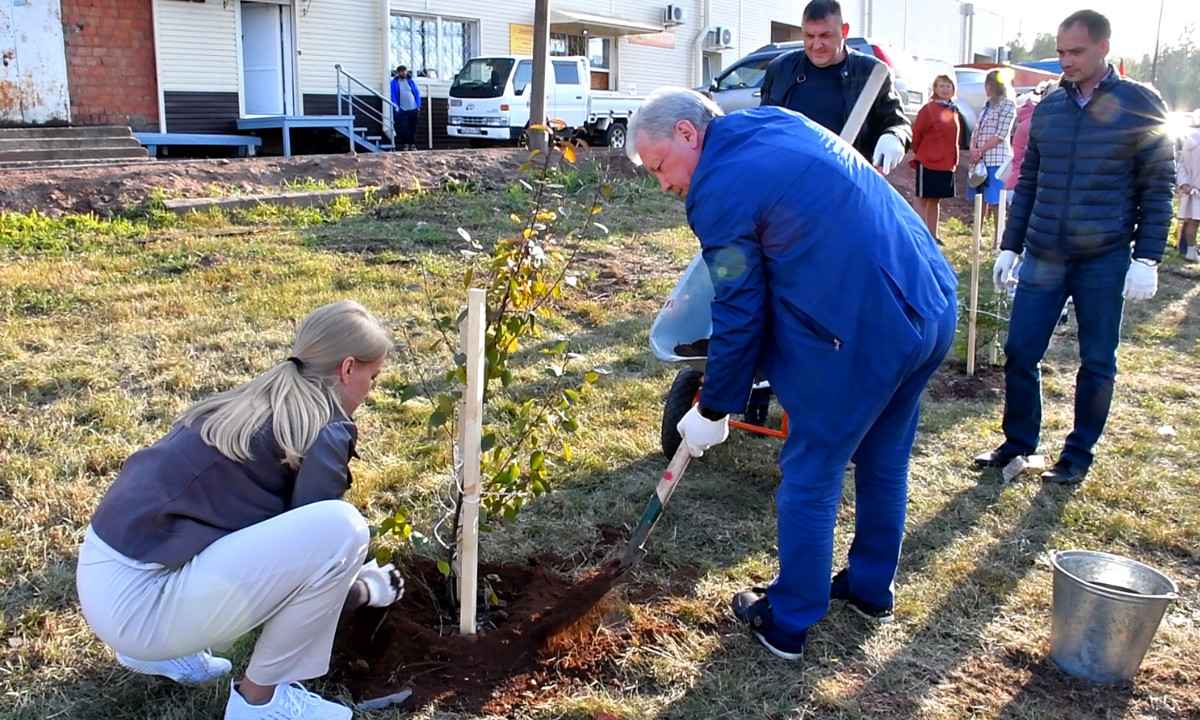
x=680 y=398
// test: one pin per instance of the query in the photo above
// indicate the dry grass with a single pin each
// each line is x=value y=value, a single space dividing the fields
x=103 y=342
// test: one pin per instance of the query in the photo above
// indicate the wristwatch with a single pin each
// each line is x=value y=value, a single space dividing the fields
x=1146 y=261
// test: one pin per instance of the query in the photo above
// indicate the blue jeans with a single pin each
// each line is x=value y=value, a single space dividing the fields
x=1042 y=290
x=405 y=122
x=807 y=499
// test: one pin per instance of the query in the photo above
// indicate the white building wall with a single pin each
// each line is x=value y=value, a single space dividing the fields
x=349 y=32
x=198 y=48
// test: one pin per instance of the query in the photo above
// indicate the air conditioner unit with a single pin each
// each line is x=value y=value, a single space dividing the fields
x=721 y=38
x=674 y=15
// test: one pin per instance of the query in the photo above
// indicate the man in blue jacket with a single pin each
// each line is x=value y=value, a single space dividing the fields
x=1095 y=188
x=848 y=326
x=407 y=98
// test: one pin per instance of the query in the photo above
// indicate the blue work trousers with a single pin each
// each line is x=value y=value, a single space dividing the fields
x=1042 y=290
x=808 y=498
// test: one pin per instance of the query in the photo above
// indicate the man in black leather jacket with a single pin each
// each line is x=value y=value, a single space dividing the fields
x=1091 y=212
x=824 y=80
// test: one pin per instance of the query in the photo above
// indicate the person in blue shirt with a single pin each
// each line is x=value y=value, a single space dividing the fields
x=828 y=282
x=407 y=112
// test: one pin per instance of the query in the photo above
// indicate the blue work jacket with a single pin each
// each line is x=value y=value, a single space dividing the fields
x=820 y=270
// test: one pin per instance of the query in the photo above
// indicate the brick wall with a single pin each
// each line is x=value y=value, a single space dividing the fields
x=110 y=62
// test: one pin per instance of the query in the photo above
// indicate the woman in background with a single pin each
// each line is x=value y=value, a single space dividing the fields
x=990 y=142
x=935 y=150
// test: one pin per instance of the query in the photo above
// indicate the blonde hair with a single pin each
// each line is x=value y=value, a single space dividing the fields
x=943 y=78
x=298 y=397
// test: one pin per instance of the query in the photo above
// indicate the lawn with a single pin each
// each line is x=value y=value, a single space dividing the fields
x=112 y=327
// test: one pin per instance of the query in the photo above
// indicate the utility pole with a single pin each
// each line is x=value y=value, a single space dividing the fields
x=1157 y=37
x=538 y=139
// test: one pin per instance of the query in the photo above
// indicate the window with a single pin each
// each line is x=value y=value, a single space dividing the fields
x=749 y=75
x=600 y=56
x=523 y=77
x=434 y=47
x=562 y=44
x=566 y=73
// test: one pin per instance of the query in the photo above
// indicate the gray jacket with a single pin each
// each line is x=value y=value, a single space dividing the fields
x=175 y=498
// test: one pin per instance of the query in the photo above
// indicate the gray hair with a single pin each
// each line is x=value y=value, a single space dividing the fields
x=662 y=109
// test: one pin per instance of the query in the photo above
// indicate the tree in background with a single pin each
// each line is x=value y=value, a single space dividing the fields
x=1044 y=46
x=1177 y=77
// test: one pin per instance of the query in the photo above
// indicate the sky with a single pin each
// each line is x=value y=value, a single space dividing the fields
x=1133 y=21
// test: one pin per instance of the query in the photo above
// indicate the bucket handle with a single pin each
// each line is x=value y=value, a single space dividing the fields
x=1168 y=596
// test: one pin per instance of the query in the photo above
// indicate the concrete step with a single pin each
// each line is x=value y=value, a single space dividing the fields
x=93 y=131
x=59 y=164
x=98 y=152
x=8 y=144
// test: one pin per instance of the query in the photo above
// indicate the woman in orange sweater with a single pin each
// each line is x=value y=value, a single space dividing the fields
x=935 y=150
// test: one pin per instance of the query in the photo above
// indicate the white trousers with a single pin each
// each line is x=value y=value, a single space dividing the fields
x=289 y=574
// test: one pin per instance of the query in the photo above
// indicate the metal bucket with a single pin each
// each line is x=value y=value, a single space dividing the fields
x=1106 y=609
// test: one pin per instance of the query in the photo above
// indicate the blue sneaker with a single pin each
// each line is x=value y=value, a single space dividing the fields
x=752 y=607
x=839 y=589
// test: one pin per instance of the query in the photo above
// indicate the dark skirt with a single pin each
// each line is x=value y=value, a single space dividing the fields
x=934 y=183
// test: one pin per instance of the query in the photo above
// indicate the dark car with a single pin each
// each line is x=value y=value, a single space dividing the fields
x=740 y=85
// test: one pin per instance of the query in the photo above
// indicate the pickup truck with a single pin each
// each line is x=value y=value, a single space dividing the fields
x=489 y=101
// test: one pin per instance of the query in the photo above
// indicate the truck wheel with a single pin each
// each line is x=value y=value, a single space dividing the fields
x=615 y=135
x=680 y=398
x=522 y=140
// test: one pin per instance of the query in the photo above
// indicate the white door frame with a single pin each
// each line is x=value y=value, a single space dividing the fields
x=33 y=63
x=292 y=98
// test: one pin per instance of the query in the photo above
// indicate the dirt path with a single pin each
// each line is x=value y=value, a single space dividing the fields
x=109 y=189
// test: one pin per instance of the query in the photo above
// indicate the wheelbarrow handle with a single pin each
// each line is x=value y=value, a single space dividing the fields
x=662 y=493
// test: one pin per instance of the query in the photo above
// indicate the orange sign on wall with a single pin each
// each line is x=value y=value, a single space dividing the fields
x=664 y=39
x=520 y=39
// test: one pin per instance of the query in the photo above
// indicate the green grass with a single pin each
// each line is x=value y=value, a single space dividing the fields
x=111 y=328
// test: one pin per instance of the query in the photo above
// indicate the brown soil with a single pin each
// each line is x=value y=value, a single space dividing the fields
x=109 y=189
x=951 y=382
x=545 y=636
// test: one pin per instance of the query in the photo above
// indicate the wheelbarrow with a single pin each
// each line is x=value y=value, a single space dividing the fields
x=679 y=334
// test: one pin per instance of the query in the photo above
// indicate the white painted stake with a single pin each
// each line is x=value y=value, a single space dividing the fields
x=470 y=436
x=1001 y=221
x=973 y=318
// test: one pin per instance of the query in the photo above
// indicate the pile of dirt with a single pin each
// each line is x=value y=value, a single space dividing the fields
x=110 y=189
x=542 y=637
x=951 y=382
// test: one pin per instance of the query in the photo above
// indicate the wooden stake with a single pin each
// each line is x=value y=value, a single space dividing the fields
x=1001 y=222
x=974 y=307
x=471 y=437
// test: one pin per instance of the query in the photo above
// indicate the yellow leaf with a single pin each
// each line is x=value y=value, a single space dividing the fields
x=540 y=127
x=568 y=153
x=546 y=215
x=515 y=218
x=528 y=233
x=596 y=209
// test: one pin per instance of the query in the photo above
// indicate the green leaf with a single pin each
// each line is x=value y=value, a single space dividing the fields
x=444 y=567
x=487 y=442
x=383 y=556
x=554 y=370
x=572 y=396
x=537 y=487
x=408 y=393
x=437 y=419
x=468 y=277
x=591 y=376
x=570 y=425
x=536 y=459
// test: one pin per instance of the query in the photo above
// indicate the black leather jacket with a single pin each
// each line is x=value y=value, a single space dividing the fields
x=1096 y=178
x=887 y=114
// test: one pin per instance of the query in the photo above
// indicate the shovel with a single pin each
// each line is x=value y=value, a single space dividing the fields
x=670 y=479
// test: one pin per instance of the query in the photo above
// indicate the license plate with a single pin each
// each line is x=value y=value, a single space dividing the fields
x=469 y=131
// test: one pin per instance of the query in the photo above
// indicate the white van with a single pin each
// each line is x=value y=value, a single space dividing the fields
x=489 y=101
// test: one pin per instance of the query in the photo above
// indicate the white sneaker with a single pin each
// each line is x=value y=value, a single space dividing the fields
x=290 y=702
x=195 y=669
x=1191 y=254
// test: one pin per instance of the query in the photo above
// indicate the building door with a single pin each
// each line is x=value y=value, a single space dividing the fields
x=33 y=63
x=267 y=51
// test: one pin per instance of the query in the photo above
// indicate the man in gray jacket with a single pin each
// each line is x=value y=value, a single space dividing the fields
x=1091 y=212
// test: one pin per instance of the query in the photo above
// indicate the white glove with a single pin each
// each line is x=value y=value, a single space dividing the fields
x=889 y=151
x=1003 y=269
x=1141 y=282
x=384 y=583
x=700 y=433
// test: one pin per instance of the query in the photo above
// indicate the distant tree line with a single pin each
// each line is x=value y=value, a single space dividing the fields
x=1177 y=76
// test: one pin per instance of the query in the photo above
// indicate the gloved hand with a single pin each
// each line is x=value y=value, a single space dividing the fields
x=1003 y=269
x=1141 y=282
x=699 y=433
x=384 y=583
x=889 y=151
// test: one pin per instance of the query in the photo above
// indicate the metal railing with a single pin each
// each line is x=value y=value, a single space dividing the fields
x=348 y=103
